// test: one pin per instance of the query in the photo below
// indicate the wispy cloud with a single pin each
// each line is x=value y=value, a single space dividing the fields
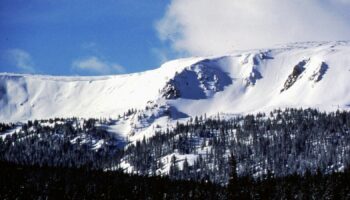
x=161 y=54
x=20 y=59
x=214 y=27
x=89 y=46
x=97 y=65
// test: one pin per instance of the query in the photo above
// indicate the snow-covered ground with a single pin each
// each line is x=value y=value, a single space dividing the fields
x=243 y=82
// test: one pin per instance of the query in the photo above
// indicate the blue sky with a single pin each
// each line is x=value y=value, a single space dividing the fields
x=59 y=36
x=90 y=37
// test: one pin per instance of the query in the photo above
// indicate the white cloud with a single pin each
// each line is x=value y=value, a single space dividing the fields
x=20 y=59
x=96 y=65
x=214 y=27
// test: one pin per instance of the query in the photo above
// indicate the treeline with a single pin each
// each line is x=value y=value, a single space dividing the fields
x=34 y=182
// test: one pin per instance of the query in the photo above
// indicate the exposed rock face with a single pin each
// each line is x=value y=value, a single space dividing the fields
x=170 y=90
x=253 y=77
x=319 y=72
x=251 y=63
x=296 y=73
x=199 y=81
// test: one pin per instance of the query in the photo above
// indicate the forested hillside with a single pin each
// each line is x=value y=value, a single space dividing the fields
x=278 y=143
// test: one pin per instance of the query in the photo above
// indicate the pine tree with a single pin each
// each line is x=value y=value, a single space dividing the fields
x=185 y=169
x=233 y=187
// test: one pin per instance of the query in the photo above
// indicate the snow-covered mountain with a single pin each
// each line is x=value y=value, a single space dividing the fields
x=139 y=113
x=294 y=75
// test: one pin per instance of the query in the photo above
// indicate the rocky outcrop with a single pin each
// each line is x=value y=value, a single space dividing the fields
x=296 y=73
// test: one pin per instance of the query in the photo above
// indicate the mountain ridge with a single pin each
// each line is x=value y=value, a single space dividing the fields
x=242 y=82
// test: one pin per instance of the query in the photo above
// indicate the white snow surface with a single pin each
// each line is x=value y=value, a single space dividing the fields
x=239 y=83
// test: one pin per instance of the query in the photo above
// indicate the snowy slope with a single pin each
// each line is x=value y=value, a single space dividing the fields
x=25 y=97
x=294 y=75
x=259 y=80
